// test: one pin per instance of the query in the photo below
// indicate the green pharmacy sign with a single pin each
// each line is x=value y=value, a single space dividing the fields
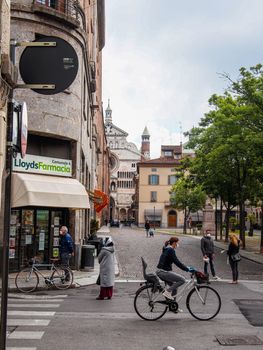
x=43 y=165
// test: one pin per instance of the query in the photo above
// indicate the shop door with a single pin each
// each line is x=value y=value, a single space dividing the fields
x=42 y=235
x=172 y=219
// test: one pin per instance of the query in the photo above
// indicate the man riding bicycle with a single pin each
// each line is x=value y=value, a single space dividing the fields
x=164 y=268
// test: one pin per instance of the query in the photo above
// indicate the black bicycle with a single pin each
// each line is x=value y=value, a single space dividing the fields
x=203 y=302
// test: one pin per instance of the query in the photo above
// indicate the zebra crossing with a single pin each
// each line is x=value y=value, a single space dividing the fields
x=27 y=318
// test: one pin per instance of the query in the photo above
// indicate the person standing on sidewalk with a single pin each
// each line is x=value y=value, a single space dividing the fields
x=147 y=227
x=106 y=260
x=208 y=250
x=233 y=254
x=66 y=248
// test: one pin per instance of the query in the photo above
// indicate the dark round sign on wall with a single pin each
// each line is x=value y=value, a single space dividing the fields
x=57 y=65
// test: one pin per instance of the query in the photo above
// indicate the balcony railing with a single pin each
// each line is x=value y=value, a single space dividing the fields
x=66 y=9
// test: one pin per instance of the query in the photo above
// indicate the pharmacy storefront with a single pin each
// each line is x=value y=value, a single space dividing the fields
x=44 y=195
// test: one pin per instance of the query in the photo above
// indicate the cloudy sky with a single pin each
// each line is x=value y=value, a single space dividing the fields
x=163 y=58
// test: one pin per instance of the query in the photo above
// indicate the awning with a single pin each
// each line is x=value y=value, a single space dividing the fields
x=48 y=191
x=153 y=214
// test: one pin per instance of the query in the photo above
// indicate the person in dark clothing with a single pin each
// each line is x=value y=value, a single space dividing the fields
x=164 y=268
x=208 y=250
x=147 y=228
x=66 y=246
x=233 y=248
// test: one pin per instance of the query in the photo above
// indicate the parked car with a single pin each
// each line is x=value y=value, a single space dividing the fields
x=115 y=223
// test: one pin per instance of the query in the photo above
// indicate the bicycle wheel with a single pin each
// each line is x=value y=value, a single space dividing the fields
x=62 y=277
x=149 y=304
x=27 y=280
x=203 y=303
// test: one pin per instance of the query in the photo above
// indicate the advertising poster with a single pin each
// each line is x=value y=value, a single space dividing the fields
x=28 y=239
x=55 y=252
x=13 y=220
x=12 y=253
x=56 y=220
x=56 y=242
x=12 y=231
x=56 y=231
x=12 y=242
x=41 y=240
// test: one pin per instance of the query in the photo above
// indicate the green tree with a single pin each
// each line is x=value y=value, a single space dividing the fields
x=187 y=196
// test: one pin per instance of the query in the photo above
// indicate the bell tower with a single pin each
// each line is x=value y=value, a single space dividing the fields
x=145 y=148
x=108 y=114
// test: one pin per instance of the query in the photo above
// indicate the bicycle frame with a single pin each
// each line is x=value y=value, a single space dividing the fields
x=35 y=268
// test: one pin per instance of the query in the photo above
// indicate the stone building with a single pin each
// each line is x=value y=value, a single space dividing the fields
x=124 y=157
x=65 y=133
x=154 y=181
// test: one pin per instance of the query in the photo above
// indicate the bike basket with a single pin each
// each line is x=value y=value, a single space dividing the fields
x=202 y=277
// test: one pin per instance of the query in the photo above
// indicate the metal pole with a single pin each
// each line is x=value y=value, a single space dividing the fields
x=154 y=218
x=7 y=210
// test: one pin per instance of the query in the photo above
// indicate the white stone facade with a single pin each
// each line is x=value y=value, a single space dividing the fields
x=124 y=158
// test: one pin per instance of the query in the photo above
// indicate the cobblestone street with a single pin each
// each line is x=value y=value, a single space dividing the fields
x=132 y=243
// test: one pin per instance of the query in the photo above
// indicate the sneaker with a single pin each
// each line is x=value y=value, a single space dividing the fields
x=168 y=295
x=179 y=311
x=216 y=278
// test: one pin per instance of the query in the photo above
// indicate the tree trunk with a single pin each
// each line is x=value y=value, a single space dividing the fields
x=221 y=219
x=242 y=224
x=227 y=222
x=216 y=221
x=185 y=216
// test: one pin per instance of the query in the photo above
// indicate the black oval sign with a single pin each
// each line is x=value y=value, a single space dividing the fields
x=57 y=65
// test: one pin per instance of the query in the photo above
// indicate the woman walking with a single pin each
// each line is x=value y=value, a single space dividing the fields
x=234 y=257
x=107 y=270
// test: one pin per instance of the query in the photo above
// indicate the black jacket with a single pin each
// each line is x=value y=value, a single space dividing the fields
x=207 y=245
x=168 y=258
x=233 y=249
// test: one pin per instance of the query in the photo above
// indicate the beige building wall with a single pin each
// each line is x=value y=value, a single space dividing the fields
x=162 y=204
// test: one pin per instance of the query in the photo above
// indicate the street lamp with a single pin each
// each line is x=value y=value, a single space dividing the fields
x=154 y=218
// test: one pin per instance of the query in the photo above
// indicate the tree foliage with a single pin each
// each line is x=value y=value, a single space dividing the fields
x=229 y=142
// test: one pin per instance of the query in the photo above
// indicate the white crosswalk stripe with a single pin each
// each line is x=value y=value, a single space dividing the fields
x=20 y=348
x=46 y=306
x=27 y=312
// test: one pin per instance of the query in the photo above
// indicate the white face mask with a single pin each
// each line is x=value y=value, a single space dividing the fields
x=177 y=245
x=208 y=235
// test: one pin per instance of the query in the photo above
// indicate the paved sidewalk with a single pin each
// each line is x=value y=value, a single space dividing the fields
x=81 y=277
x=252 y=243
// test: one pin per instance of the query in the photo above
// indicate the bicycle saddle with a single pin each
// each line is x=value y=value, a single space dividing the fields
x=149 y=277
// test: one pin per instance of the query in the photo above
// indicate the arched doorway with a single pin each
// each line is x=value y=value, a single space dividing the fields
x=122 y=215
x=172 y=218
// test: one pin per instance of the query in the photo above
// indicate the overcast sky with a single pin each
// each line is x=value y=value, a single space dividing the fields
x=162 y=60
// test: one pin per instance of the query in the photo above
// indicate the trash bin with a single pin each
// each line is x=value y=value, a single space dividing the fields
x=87 y=257
x=98 y=243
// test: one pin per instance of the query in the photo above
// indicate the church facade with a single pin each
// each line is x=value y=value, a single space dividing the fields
x=124 y=157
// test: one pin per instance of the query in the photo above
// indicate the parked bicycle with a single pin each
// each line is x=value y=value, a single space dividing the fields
x=60 y=276
x=202 y=301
